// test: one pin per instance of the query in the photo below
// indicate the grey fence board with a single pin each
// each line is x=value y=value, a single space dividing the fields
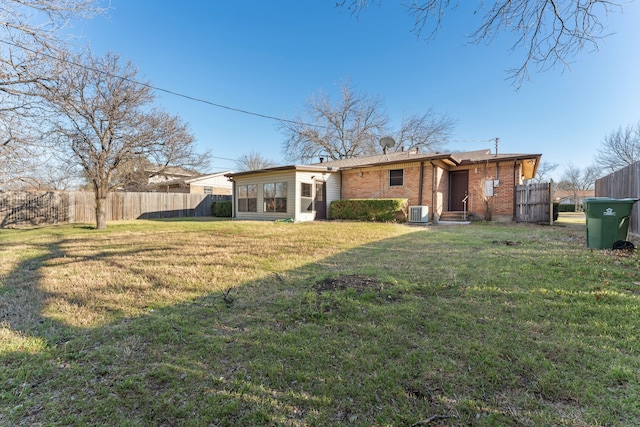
x=623 y=184
x=33 y=208
x=533 y=203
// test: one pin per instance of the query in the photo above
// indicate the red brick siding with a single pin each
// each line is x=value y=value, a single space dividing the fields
x=374 y=183
x=501 y=203
x=368 y=183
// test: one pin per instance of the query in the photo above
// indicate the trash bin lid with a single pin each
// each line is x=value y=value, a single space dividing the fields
x=609 y=200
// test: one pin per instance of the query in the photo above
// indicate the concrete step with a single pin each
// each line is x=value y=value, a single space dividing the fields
x=453 y=216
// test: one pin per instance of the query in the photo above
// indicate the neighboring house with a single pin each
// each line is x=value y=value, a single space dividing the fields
x=168 y=174
x=183 y=182
x=564 y=197
x=478 y=182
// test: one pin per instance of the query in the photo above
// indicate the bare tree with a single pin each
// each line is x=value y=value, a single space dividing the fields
x=103 y=118
x=544 y=172
x=549 y=32
x=353 y=127
x=253 y=161
x=619 y=149
x=575 y=180
x=428 y=131
x=348 y=129
x=31 y=31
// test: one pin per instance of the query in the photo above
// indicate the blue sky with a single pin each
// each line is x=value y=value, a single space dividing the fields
x=270 y=57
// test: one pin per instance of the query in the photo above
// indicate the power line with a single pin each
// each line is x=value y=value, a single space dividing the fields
x=192 y=98
x=159 y=89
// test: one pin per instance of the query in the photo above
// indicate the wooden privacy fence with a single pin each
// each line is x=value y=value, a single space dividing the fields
x=623 y=184
x=534 y=203
x=34 y=208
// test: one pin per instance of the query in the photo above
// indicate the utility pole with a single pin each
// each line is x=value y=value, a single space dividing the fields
x=497 y=141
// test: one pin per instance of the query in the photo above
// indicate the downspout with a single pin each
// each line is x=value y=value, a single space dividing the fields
x=515 y=181
x=421 y=184
x=433 y=191
x=233 y=198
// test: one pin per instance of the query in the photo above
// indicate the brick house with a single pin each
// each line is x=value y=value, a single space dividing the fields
x=478 y=183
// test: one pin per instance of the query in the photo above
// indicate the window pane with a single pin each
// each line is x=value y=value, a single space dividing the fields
x=319 y=195
x=281 y=204
x=269 y=190
x=306 y=204
x=305 y=190
x=396 y=177
x=270 y=205
x=281 y=189
x=252 y=190
x=252 y=205
x=242 y=191
x=242 y=205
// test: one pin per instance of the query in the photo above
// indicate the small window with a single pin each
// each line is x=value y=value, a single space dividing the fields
x=208 y=190
x=306 y=198
x=275 y=197
x=396 y=177
x=248 y=198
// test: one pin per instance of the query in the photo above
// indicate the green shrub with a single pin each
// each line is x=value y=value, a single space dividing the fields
x=567 y=208
x=381 y=210
x=221 y=209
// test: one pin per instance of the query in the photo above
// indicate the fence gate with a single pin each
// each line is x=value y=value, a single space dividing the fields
x=534 y=203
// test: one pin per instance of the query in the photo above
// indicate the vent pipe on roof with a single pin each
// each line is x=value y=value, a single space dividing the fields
x=321 y=159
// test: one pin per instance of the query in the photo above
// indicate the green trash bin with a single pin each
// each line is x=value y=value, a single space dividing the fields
x=607 y=220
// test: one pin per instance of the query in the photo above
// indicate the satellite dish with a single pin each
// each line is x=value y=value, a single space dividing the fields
x=387 y=142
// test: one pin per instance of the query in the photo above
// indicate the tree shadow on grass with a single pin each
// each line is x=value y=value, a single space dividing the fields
x=344 y=340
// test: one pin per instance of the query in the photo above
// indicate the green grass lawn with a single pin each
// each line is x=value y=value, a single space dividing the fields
x=221 y=323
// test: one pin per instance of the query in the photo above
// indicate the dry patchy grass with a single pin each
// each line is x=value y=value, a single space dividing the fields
x=243 y=323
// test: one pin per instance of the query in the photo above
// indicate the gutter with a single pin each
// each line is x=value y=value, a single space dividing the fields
x=234 y=192
x=421 y=184
x=433 y=191
x=513 y=215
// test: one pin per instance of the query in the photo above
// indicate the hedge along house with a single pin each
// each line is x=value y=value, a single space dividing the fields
x=479 y=184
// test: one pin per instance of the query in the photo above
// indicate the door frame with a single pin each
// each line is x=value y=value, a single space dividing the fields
x=456 y=194
x=320 y=214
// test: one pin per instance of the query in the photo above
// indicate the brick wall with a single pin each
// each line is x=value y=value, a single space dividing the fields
x=373 y=182
x=501 y=203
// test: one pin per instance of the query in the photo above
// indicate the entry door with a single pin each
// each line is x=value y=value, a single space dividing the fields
x=458 y=190
x=320 y=201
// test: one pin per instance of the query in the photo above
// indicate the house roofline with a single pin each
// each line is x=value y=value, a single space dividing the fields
x=210 y=175
x=447 y=158
x=301 y=168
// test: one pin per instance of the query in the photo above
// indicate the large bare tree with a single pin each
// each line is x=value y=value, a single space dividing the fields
x=575 y=180
x=30 y=32
x=428 y=131
x=353 y=126
x=104 y=119
x=543 y=174
x=620 y=148
x=347 y=129
x=253 y=161
x=548 y=32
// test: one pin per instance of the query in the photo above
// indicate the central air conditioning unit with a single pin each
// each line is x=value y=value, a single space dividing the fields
x=418 y=213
